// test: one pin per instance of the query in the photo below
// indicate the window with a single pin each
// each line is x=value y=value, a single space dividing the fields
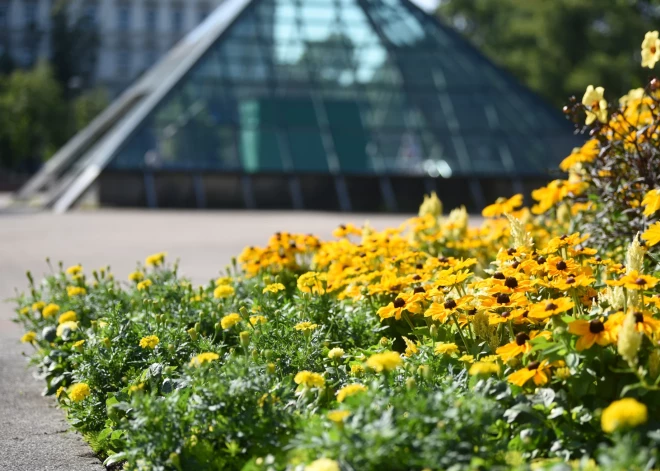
x=31 y=12
x=177 y=18
x=124 y=17
x=123 y=60
x=151 y=18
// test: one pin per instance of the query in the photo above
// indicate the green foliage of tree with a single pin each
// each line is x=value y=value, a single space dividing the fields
x=559 y=47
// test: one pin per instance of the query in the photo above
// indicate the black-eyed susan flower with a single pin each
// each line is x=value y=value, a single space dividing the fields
x=551 y=307
x=350 y=390
x=651 y=202
x=591 y=332
x=537 y=371
x=520 y=345
x=644 y=323
x=149 y=342
x=652 y=234
x=503 y=206
x=635 y=281
x=404 y=302
x=622 y=414
x=386 y=361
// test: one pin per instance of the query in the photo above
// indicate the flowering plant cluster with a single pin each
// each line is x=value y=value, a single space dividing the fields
x=529 y=342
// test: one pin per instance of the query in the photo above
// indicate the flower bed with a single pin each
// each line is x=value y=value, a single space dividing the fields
x=523 y=343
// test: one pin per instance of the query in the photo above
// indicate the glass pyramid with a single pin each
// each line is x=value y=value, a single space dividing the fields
x=347 y=87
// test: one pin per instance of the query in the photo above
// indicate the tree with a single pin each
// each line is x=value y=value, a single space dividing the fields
x=32 y=124
x=559 y=47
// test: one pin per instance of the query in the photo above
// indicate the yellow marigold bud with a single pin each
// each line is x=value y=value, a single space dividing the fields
x=193 y=333
x=323 y=464
x=38 y=306
x=107 y=342
x=143 y=285
x=562 y=373
x=411 y=383
x=357 y=370
x=79 y=345
x=624 y=413
x=244 y=338
x=338 y=416
x=629 y=340
x=336 y=353
x=384 y=342
x=654 y=364
x=270 y=368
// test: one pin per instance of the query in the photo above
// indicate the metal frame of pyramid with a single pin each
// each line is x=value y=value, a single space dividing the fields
x=70 y=172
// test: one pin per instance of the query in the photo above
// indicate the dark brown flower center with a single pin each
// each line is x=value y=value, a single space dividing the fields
x=398 y=302
x=534 y=365
x=511 y=251
x=503 y=298
x=640 y=281
x=551 y=306
x=596 y=326
x=515 y=264
x=443 y=259
x=540 y=260
x=499 y=276
x=521 y=338
x=525 y=314
x=450 y=304
x=417 y=277
x=570 y=280
x=505 y=314
x=419 y=289
x=561 y=265
x=639 y=317
x=511 y=282
x=419 y=266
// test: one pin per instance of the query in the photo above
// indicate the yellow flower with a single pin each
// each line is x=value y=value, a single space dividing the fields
x=38 y=306
x=350 y=390
x=467 y=358
x=323 y=464
x=305 y=326
x=75 y=291
x=223 y=280
x=254 y=320
x=652 y=234
x=624 y=413
x=357 y=370
x=273 y=288
x=59 y=392
x=312 y=282
x=596 y=105
x=651 y=202
x=503 y=206
x=29 y=337
x=338 y=416
x=386 y=361
x=79 y=345
x=136 y=276
x=635 y=281
x=143 y=285
x=50 y=310
x=223 y=291
x=156 y=259
x=538 y=371
x=650 y=49
x=590 y=332
x=79 y=392
x=309 y=379
x=484 y=368
x=67 y=316
x=74 y=270
x=202 y=358
x=336 y=353
x=150 y=341
x=585 y=154
x=551 y=307
x=446 y=348
x=71 y=325
x=230 y=320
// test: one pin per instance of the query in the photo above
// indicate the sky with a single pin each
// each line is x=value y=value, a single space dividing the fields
x=427 y=4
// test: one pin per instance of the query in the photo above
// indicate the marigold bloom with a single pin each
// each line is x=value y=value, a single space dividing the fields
x=336 y=353
x=67 y=316
x=650 y=49
x=38 y=306
x=312 y=282
x=484 y=368
x=79 y=392
x=75 y=291
x=150 y=342
x=29 y=337
x=254 y=320
x=624 y=413
x=74 y=270
x=590 y=332
x=323 y=464
x=445 y=348
x=652 y=234
x=350 y=390
x=136 y=276
x=338 y=416
x=230 y=320
x=305 y=326
x=202 y=358
x=71 y=325
x=273 y=288
x=223 y=291
x=595 y=104
x=50 y=310
x=538 y=371
x=309 y=379
x=386 y=361
x=156 y=259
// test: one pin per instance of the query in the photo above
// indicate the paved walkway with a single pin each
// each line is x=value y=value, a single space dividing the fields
x=34 y=435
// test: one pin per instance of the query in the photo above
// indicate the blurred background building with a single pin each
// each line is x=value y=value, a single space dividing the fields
x=305 y=104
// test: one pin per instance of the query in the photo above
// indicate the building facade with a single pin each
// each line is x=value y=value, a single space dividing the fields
x=132 y=34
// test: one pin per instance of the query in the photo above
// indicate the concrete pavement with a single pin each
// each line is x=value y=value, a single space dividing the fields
x=34 y=435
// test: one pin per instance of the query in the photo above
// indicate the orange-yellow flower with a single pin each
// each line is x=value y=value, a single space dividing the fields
x=590 y=332
x=537 y=371
x=551 y=307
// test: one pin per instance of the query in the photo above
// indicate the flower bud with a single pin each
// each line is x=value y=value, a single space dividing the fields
x=244 y=338
x=193 y=333
x=270 y=368
x=411 y=383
